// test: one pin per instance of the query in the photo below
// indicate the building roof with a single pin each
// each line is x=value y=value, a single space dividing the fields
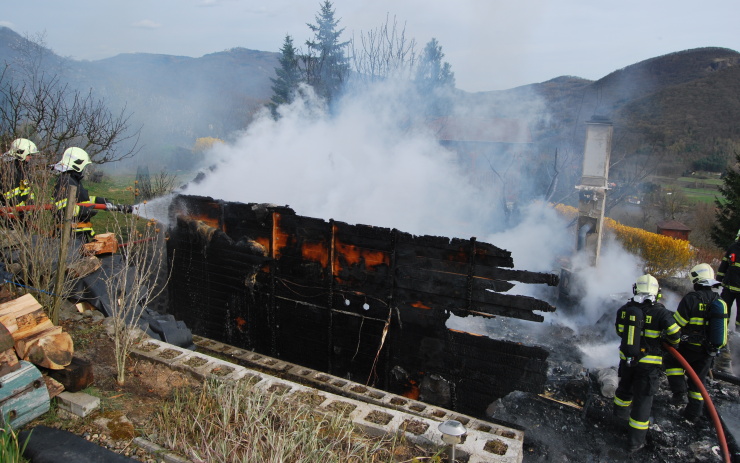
x=673 y=225
x=481 y=129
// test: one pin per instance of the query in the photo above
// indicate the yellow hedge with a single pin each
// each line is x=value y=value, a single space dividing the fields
x=663 y=256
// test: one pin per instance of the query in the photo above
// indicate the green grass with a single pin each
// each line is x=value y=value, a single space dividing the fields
x=705 y=181
x=119 y=189
x=698 y=195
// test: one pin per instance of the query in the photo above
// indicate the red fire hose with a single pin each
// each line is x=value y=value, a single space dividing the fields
x=707 y=400
x=33 y=207
x=9 y=211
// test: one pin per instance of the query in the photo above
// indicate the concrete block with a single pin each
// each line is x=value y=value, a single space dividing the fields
x=78 y=403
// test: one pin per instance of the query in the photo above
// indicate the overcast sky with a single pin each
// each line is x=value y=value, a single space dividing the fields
x=490 y=44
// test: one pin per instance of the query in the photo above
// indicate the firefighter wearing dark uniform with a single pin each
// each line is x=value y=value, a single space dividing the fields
x=692 y=315
x=71 y=167
x=728 y=274
x=15 y=186
x=640 y=375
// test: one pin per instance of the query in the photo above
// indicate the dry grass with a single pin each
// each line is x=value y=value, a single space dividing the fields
x=235 y=422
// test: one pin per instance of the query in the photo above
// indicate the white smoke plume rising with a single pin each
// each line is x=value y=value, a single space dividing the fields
x=364 y=164
x=368 y=162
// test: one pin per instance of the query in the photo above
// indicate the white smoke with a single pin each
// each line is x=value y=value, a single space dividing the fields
x=364 y=163
x=368 y=162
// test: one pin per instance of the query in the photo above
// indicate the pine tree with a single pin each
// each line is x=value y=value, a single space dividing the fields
x=327 y=66
x=434 y=81
x=288 y=77
x=727 y=221
x=431 y=73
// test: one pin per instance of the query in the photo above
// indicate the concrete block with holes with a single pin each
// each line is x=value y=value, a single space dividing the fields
x=78 y=403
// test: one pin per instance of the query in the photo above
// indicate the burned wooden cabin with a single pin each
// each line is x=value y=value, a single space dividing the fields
x=361 y=302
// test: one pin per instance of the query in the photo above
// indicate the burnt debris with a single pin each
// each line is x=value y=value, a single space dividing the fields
x=362 y=302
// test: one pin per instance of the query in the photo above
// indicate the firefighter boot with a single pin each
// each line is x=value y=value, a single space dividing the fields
x=679 y=398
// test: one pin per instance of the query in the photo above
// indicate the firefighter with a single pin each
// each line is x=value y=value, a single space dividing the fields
x=728 y=274
x=16 y=186
x=693 y=316
x=641 y=323
x=71 y=168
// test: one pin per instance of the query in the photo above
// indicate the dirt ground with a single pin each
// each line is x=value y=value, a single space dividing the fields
x=126 y=411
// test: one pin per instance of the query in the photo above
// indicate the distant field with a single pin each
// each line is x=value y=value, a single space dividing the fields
x=701 y=195
x=697 y=190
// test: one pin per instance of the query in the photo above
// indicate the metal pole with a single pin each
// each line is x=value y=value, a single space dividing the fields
x=63 y=244
x=452 y=453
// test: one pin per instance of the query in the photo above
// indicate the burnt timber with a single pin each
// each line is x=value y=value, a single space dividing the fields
x=361 y=302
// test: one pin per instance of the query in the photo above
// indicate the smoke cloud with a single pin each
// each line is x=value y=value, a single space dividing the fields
x=368 y=161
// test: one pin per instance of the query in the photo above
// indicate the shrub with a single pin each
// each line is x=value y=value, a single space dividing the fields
x=663 y=256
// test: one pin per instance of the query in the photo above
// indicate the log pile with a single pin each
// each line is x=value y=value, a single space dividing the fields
x=35 y=338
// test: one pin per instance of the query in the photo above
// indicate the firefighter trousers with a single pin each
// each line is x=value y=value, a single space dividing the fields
x=637 y=387
x=701 y=363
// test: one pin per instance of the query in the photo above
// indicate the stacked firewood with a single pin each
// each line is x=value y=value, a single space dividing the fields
x=27 y=333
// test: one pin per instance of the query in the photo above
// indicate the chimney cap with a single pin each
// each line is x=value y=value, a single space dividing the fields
x=599 y=119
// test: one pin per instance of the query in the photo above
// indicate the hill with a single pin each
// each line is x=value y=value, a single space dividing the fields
x=173 y=99
x=682 y=106
x=669 y=113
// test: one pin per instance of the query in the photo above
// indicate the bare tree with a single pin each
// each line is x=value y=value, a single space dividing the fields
x=383 y=52
x=37 y=103
x=672 y=202
x=130 y=282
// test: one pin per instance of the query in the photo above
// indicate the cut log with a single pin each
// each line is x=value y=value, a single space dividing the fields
x=6 y=339
x=84 y=306
x=27 y=322
x=23 y=345
x=8 y=362
x=104 y=243
x=35 y=337
x=53 y=352
x=27 y=301
x=84 y=267
x=53 y=386
x=76 y=376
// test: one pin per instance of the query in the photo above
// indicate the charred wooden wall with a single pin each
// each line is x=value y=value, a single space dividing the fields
x=362 y=302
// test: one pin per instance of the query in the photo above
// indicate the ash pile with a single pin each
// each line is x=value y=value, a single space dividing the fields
x=571 y=420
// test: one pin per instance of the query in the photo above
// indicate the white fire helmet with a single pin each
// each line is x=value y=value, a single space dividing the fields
x=703 y=275
x=646 y=285
x=73 y=158
x=21 y=148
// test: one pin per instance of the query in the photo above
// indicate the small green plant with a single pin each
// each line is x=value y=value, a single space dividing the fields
x=11 y=449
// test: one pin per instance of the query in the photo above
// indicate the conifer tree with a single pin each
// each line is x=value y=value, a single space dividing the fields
x=727 y=221
x=434 y=81
x=326 y=64
x=431 y=72
x=288 y=77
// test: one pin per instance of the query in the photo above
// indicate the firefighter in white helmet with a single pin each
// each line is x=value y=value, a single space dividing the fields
x=728 y=274
x=71 y=170
x=693 y=315
x=16 y=187
x=640 y=324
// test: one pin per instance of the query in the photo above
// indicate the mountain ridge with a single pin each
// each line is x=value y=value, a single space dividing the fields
x=684 y=98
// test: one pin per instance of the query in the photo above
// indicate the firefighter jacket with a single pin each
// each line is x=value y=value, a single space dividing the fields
x=729 y=269
x=16 y=189
x=659 y=325
x=82 y=214
x=692 y=315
